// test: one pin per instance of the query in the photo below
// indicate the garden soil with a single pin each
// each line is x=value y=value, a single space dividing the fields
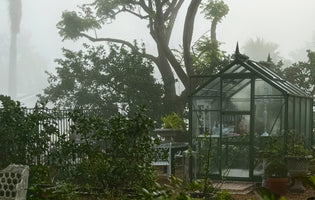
x=289 y=196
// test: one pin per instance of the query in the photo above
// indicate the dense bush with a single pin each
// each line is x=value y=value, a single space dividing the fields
x=115 y=154
x=25 y=137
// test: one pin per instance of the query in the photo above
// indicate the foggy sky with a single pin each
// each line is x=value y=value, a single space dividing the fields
x=288 y=23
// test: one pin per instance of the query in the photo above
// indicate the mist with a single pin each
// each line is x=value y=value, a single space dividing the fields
x=289 y=24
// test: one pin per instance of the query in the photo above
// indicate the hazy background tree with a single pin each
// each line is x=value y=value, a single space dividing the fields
x=31 y=66
x=93 y=78
x=15 y=8
x=258 y=49
x=299 y=54
x=160 y=17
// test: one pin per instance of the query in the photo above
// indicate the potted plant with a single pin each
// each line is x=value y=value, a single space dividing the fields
x=174 y=128
x=277 y=176
x=298 y=160
x=276 y=171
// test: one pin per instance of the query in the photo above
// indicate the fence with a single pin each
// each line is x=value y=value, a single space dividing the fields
x=59 y=119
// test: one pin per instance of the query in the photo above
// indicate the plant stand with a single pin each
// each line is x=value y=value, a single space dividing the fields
x=297 y=167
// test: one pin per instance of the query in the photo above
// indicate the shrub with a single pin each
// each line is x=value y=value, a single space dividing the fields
x=116 y=153
x=24 y=136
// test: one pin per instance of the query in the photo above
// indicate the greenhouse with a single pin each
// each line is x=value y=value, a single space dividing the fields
x=238 y=109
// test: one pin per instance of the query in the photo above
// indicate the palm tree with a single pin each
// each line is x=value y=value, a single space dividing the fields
x=15 y=10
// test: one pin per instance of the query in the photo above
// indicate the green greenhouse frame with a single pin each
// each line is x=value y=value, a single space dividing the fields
x=236 y=108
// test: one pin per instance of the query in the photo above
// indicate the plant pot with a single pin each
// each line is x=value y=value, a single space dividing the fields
x=298 y=167
x=278 y=185
x=172 y=135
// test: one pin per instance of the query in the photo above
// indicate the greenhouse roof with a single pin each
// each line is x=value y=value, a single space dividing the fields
x=242 y=66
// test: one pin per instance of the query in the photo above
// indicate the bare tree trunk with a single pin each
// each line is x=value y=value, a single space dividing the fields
x=187 y=35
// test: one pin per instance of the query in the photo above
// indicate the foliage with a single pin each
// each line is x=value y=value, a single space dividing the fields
x=161 y=17
x=116 y=154
x=174 y=190
x=273 y=152
x=215 y=9
x=76 y=23
x=174 y=121
x=24 y=136
x=296 y=146
x=303 y=73
x=259 y=49
x=224 y=195
x=277 y=168
x=208 y=58
x=94 y=79
x=268 y=195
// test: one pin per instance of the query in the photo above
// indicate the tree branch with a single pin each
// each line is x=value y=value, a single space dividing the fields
x=170 y=9
x=136 y=14
x=130 y=45
x=174 y=63
x=145 y=7
x=187 y=36
x=172 y=19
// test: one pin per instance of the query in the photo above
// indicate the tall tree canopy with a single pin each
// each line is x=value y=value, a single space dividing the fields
x=94 y=79
x=160 y=16
x=207 y=56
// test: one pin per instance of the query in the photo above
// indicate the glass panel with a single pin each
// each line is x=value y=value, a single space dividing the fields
x=266 y=71
x=308 y=121
x=235 y=160
x=198 y=81
x=211 y=103
x=290 y=114
x=236 y=69
x=259 y=163
x=269 y=114
x=205 y=121
x=236 y=94
x=211 y=89
x=303 y=122
x=264 y=88
x=205 y=158
x=235 y=125
x=297 y=115
x=291 y=89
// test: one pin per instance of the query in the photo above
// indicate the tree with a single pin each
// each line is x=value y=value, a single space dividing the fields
x=15 y=7
x=259 y=49
x=303 y=73
x=94 y=79
x=207 y=56
x=161 y=17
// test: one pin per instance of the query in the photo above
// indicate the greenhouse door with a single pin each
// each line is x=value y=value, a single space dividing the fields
x=236 y=120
